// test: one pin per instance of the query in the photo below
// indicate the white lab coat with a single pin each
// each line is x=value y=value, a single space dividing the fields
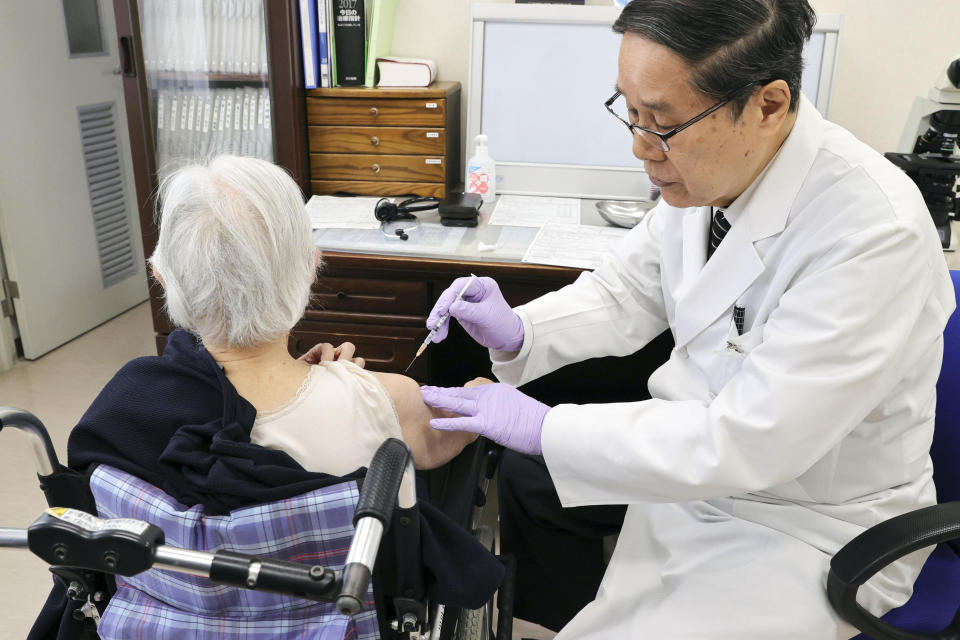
x=760 y=454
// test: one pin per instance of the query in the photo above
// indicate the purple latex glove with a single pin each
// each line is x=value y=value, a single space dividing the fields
x=496 y=411
x=483 y=313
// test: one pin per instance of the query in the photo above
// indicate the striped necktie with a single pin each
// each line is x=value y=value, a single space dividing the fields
x=718 y=229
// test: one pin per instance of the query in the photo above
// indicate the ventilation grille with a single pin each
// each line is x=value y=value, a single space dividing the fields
x=101 y=156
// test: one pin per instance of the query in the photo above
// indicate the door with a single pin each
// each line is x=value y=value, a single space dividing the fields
x=68 y=224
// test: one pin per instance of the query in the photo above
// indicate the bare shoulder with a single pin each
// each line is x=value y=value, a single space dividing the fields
x=404 y=391
x=431 y=448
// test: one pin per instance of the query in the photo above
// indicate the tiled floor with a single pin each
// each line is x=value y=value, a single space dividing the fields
x=58 y=388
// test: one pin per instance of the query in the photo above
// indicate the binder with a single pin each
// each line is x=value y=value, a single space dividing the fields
x=308 y=30
x=246 y=122
x=163 y=139
x=267 y=126
x=190 y=128
x=236 y=35
x=381 y=36
x=205 y=148
x=223 y=42
x=331 y=44
x=256 y=66
x=220 y=135
x=349 y=33
x=322 y=46
x=236 y=140
x=246 y=47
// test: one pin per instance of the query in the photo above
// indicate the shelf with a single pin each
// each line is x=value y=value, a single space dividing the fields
x=201 y=77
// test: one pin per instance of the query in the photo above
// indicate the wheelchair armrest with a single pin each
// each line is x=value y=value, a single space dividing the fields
x=879 y=546
x=390 y=481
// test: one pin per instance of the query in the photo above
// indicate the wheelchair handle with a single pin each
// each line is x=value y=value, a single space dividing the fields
x=44 y=455
x=124 y=546
x=391 y=478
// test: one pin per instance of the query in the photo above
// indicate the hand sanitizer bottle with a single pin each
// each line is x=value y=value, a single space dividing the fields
x=481 y=171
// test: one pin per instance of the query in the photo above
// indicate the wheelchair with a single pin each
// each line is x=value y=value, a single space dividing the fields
x=87 y=553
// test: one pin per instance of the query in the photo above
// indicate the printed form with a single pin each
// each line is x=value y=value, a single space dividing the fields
x=573 y=245
x=533 y=211
x=331 y=212
x=428 y=239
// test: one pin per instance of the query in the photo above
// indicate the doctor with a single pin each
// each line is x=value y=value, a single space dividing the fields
x=804 y=285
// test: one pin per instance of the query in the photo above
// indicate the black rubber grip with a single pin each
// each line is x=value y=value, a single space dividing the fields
x=356 y=579
x=275 y=576
x=505 y=598
x=20 y=419
x=378 y=497
x=876 y=548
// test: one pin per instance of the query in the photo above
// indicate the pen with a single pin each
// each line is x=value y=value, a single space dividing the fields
x=738 y=317
x=440 y=323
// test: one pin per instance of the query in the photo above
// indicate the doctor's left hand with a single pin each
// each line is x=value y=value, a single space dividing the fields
x=496 y=411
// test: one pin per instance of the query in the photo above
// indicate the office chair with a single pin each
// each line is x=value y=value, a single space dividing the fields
x=931 y=613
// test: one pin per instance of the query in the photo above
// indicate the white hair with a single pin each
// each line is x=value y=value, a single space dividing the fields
x=235 y=253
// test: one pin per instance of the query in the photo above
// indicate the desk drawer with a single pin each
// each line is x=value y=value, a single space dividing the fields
x=385 y=348
x=345 y=166
x=384 y=140
x=373 y=111
x=361 y=295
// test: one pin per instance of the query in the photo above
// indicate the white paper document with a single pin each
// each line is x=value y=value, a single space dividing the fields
x=534 y=211
x=426 y=239
x=573 y=245
x=331 y=212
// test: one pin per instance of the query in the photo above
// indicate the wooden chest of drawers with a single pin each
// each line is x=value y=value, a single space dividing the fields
x=384 y=142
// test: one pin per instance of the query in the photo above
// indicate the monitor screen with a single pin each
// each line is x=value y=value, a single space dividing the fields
x=539 y=77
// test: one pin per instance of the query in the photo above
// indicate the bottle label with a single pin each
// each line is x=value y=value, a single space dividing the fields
x=478 y=181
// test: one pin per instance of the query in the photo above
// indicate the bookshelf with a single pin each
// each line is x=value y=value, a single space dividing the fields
x=203 y=77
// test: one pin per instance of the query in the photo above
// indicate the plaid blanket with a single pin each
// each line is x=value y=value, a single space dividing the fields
x=315 y=527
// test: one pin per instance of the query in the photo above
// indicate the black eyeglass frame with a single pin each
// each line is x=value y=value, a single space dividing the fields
x=636 y=129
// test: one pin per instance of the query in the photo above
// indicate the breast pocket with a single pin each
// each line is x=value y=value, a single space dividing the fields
x=737 y=347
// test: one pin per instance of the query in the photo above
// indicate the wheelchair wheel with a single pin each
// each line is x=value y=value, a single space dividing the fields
x=477 y=624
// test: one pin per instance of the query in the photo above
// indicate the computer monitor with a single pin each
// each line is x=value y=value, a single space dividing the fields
x=538 y=77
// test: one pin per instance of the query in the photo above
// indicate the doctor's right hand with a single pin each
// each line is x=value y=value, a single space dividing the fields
x=483 y=313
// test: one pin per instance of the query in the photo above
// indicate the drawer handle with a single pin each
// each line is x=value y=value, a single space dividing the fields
x=376 y=168
x=374 y=112
x=341 y=295
x=374 y=140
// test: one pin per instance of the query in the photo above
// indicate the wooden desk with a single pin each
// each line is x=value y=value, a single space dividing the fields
x=380 y=303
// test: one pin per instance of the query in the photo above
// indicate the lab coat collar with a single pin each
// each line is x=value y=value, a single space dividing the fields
x=710 y=288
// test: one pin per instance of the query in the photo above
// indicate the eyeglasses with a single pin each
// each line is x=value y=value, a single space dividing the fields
x=655 y=137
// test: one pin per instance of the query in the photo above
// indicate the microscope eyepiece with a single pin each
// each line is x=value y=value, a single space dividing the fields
x=953 y=73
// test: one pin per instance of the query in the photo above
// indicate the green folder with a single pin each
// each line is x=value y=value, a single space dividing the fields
x=381 y=36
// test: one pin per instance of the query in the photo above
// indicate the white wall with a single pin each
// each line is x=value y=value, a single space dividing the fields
x=890 y=51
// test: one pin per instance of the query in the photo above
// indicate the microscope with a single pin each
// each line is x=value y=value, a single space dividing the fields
x=928 y=149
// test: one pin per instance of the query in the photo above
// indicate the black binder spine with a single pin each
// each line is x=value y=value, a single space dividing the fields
x=349 y=33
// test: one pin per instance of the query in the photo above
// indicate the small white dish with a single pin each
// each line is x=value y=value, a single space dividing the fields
x=624 y=213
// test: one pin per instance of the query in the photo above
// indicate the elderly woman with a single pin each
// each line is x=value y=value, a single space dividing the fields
x=236 y=260
x=226 y=418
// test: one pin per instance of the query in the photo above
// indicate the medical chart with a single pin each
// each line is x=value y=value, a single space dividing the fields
x=532 y=211
x=331 y=212
x=573 y=245
x=426 y=239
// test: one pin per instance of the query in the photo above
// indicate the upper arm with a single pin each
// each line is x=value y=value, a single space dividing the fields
x=431 y=448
